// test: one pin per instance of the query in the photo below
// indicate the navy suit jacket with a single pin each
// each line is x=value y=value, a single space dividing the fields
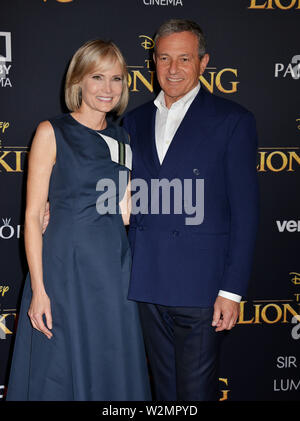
x=176 y=264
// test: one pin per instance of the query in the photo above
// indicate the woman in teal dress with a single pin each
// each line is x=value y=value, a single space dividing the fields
x=78 y=337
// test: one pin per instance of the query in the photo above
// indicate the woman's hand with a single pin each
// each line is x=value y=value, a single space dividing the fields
x=40 y=305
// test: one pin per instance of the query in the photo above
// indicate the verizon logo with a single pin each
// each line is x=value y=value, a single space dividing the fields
x=290 y=226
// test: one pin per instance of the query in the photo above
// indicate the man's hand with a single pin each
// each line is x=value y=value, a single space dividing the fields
x=46 y=218
x=226 y=313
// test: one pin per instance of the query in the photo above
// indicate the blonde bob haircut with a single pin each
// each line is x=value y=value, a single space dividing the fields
x=93 y=54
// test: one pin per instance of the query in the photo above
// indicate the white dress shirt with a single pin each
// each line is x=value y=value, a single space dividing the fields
x=167 y=121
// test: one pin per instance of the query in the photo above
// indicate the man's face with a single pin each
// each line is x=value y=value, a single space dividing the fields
x=178 y=65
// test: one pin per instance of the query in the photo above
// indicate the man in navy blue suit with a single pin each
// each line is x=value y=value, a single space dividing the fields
x=187 y=278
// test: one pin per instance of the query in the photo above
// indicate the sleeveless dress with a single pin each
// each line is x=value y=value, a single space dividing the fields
x=97 y=350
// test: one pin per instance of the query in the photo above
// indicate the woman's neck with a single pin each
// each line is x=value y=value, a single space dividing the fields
x=94 y=120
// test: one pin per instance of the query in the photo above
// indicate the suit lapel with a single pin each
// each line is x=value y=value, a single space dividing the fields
x=148 y=146
x=197 y=119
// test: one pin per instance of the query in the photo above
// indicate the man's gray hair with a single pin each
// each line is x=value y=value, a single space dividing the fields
x=180 y=25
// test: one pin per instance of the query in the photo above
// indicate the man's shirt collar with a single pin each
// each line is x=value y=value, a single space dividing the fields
x=187 y=98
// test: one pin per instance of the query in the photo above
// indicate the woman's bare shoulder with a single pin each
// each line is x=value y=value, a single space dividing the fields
x=45 y=129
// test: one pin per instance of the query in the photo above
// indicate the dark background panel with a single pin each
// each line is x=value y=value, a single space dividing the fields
x=248 y=43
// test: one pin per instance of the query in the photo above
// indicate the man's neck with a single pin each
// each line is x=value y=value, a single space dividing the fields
x=169 y=101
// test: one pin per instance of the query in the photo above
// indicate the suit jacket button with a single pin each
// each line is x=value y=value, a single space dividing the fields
x=196 y=171
x=141 y=227
x=175 y=233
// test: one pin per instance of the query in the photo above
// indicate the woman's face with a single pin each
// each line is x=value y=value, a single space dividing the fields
x=102 y=89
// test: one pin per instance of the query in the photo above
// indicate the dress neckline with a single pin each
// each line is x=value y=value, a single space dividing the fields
x=89 y=128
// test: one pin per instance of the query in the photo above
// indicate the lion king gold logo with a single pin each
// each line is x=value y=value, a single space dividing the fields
x=268 y=311
x=3 y=126
x=296 y=278
x=12 y=161
x=220 y=79
x=225 y=392
x=148 y=42
x=223 y=80
x=277 y=159
x=273 y=4
x=3 y=290
x=12 y=158
x=7 y=319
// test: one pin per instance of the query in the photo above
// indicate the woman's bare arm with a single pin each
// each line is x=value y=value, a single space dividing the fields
x=41 y=160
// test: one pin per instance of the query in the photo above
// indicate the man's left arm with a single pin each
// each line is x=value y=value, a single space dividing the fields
x=242 y=191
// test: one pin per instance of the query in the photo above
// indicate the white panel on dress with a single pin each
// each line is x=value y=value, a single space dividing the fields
x=113 y=146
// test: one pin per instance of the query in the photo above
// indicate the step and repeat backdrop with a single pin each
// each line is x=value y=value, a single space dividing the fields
x=255 y=61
